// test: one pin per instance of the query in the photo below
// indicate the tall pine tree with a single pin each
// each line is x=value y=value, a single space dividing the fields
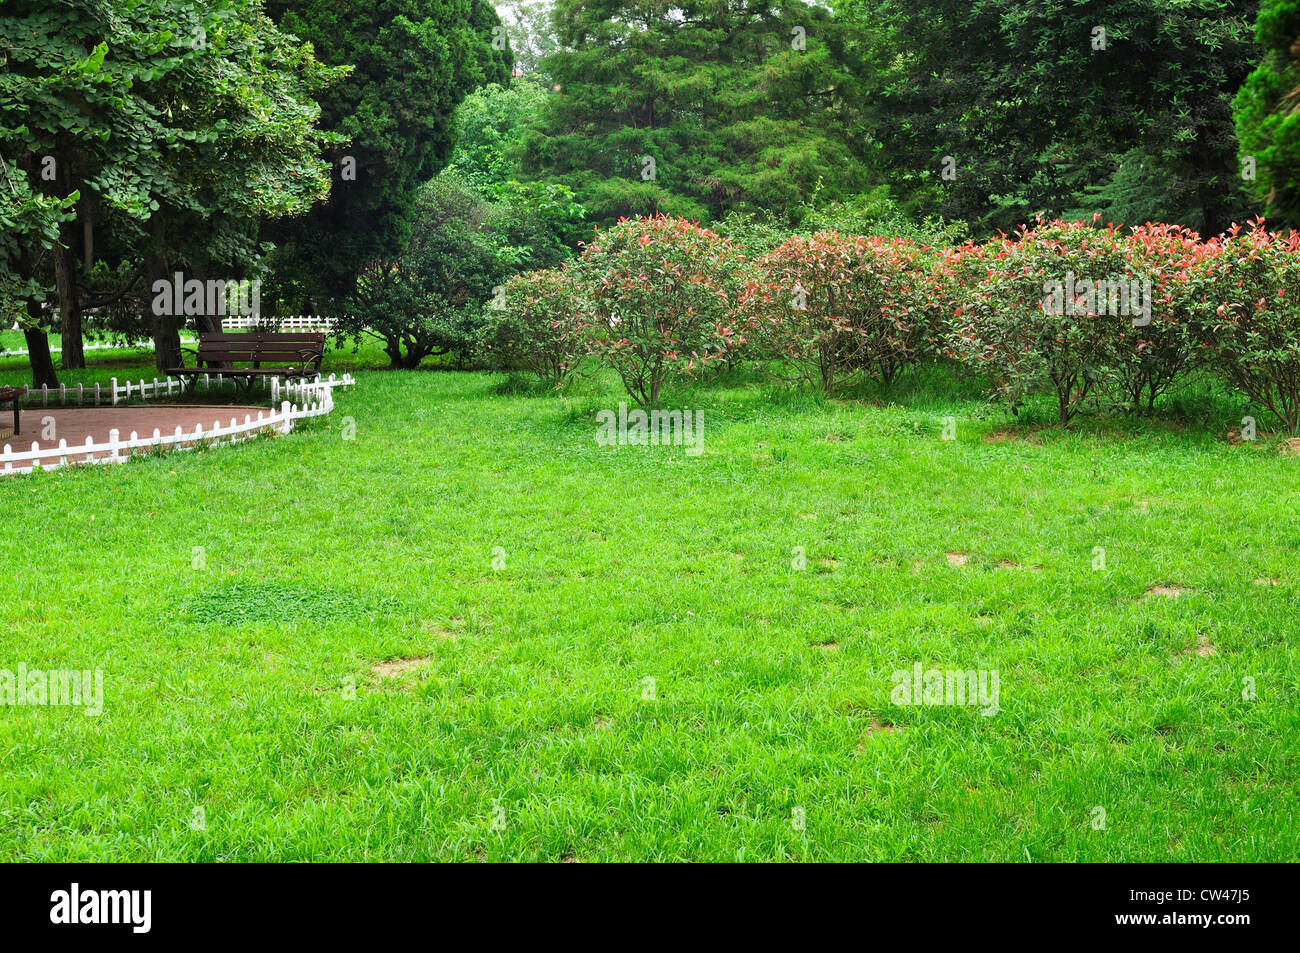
x=1268 y=120
x=414 y=60
x=695 y=108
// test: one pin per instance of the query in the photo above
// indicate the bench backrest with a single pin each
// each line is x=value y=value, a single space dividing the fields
x=288 y=347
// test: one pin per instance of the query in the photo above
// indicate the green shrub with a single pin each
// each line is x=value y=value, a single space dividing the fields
x=1034 y=319
x=538 y=323
x=428 y=301
x=1251 y=326
x=1169 y=257
x=835 y=306
x=664 y=294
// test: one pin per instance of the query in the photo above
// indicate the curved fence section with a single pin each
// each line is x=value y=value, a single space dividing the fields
x=316 y=399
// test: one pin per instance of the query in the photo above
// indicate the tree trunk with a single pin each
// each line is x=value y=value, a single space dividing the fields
x=65 y=285
x=166 y=327
x=208 y=323
x=88 y=239
x=166 y=342
x=38 y=350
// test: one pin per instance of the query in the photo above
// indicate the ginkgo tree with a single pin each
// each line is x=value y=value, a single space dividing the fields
x=166 y=128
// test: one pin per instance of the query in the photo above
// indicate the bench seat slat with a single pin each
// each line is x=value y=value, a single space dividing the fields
x=228 y=355
x=219 y=351
x=238 y=371
x=312 y=339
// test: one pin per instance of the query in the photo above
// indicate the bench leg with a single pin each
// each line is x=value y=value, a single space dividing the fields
x=17 y=419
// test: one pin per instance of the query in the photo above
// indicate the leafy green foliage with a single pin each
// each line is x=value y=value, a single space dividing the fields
x=173 y=127
x=414 y=61
x=1032 y=110
x=543 y=219
x=1268 y=124
x=1253 y=331
x=29 y=224
x=532 y=36
x=1171 y=258
x=487 y=127
x=664 y=297
x=1009 y=328
x=428 y=300
x=834 y=306
x=540 y=325
x=695 y=110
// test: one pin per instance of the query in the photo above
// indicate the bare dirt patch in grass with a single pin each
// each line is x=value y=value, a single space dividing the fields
x=1203 y=647
x=1013 y=435
x=1168 y=592
x=396 y=668
x=873 y=730
x=956 y=558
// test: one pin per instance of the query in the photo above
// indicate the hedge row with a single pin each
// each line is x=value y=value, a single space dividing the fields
x=1068 y=309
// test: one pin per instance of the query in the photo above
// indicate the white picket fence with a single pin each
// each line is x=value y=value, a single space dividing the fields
x=107 y=346
x=113 y=393
x=117 y=450
x=304 y=389
x=296 y=322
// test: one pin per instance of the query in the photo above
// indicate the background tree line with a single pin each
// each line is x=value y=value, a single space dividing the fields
x=378 y=160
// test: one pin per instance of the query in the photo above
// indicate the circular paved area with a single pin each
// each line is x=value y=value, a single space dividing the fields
x=75 y=424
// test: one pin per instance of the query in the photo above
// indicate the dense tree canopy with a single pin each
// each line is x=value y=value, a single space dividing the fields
x=1268 y=122
x=695 y=109
x=487 y=127
x=528 y=25
x=414 y=60
x=1042 y=103
x=168 y=127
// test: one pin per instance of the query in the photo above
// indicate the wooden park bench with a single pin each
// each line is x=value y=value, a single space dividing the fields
x=218 y=353
x=13 y=395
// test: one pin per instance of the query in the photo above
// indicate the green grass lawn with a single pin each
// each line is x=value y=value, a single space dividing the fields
x=519 y=725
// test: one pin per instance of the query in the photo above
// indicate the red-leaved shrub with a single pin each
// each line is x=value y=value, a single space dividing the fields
x=832 y=306
x=1052 y=309
x=1251 y=325
x=664 y=296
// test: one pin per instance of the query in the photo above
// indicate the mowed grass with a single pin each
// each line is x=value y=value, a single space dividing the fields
x=341 y=673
